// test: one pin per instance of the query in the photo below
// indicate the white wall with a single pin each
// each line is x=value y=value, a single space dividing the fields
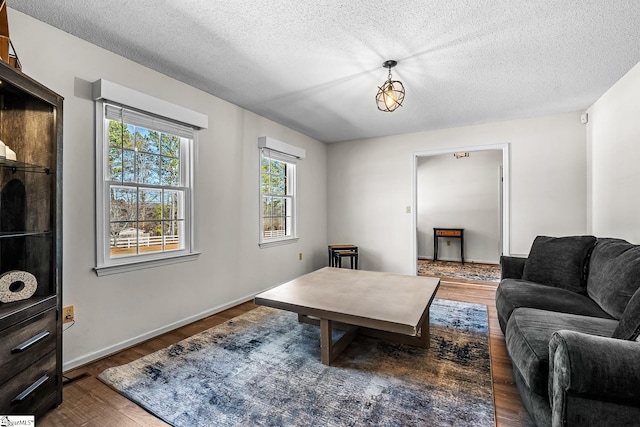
x=370 y=185
x=118 y=310
x=460 y=193
x=613 y=140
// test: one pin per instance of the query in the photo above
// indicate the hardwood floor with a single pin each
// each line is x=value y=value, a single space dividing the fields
x=89 y=402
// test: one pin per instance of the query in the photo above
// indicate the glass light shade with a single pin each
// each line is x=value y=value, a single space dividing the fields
x=390 y=95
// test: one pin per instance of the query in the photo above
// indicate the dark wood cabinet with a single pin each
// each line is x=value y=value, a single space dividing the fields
x=30 y=241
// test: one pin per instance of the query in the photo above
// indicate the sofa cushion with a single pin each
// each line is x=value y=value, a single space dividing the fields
x=528 y=333
x=514 y=293
x=559 y=261
x=629 y=326
x=511 y=267
x=614 y=274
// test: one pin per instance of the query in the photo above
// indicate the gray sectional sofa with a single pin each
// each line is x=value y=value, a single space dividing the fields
x=570 y=313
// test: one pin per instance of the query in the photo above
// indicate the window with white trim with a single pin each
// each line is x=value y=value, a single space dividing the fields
x=144 y=193
x=277 y=197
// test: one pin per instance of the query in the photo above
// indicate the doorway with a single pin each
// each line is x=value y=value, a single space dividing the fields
x=451 y=189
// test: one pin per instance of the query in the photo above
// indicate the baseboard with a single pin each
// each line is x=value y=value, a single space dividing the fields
x=88 y=358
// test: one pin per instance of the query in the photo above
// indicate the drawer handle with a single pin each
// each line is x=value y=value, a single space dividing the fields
x=33 y=387
x=31 y=341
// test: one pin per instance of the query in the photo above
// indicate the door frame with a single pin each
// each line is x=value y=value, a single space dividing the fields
x=504 y=199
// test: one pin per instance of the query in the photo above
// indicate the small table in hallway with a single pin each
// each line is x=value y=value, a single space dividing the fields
x=456 y=233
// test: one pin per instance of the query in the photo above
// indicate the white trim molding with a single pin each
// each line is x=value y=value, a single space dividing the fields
x=153 y=113
x=142 y=264
x=109 y=91
x=281 y=147
x=505 y=199
x=106 y=351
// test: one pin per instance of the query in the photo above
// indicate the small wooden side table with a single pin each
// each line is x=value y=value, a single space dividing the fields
x=347 y=249
x=456 y=233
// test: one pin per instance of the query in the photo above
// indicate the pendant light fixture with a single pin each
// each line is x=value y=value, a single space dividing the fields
x=391 y=94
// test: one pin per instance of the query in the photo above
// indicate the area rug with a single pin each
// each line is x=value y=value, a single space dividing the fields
x=263 y=369
x=455 y=270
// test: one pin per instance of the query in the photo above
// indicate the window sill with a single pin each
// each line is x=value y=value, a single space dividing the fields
x=278 y=242
x=144 y=264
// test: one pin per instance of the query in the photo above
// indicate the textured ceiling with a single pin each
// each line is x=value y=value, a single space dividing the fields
x=314 y=65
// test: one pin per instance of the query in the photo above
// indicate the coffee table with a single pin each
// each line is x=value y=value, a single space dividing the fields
x=385 y=305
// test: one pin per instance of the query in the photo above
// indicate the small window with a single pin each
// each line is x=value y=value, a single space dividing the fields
x=277 y=197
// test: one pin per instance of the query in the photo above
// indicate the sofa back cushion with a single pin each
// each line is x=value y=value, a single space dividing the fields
x=559 y=261
x=614 y=275
x=629 y=326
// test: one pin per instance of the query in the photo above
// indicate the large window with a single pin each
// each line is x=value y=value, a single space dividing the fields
x=277 y=197
x=144 y=173
x=146 y=181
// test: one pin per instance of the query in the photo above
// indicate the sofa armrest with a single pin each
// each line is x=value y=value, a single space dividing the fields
x=511 y=267
x=589 y=368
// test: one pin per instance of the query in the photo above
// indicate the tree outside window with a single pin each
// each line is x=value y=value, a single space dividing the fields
x=146 y=201
x=277 y=197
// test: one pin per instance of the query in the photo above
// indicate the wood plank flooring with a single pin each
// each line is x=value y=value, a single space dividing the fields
x=89 y=402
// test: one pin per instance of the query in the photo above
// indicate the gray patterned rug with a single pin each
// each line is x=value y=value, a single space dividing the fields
x=455 y=270
x=263 y=369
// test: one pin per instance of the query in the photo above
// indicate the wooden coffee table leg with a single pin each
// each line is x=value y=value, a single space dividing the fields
x=326 y=342
x=329 y=350
x=425 y=333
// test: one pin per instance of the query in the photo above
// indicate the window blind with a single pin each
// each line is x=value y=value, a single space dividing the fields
x=146 y=120
x=276 y=155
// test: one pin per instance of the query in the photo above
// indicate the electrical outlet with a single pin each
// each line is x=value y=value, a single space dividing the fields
x=300 y=256
x=448 y=242
x=68 y=313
